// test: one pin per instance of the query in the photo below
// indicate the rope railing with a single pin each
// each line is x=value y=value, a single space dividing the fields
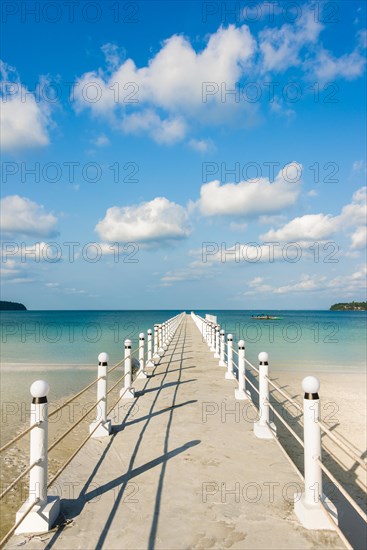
x=5 y=539
x=305 y=508
x=251 y=365
x=350 y=452
x=59 y=439
x=285 y=394
x=100 y=427
x=251 y=384
x=62 y=468
x=66 y=403
x=334 y=524
x=343 y=491
x=343 y=443
x=24 y=473
x=19 y=436
x=297 y=438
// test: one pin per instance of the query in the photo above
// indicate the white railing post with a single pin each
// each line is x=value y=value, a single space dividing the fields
x=141 y=373
x=150 y=350
x=156 y=357
x=164 y=344
x=263 y=428
x=230 y=374
x=104 y=427
x=160 y=339
x=240 y=393
x=212 y=337
x=208 y=334
x=44 y=514
x=127 y=391
x=217 y=343
x=307 y=505
x=222 y=361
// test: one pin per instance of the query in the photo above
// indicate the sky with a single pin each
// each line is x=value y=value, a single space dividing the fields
x=205 y=155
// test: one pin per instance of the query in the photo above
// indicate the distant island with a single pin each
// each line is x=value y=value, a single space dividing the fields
x=11 y=306
x=351 y=306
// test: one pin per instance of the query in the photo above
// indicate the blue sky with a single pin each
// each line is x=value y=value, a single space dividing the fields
x=132 y=138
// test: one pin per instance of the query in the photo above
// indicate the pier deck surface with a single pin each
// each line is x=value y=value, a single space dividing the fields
x=151 y=484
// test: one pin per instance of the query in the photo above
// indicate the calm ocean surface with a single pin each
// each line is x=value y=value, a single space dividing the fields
x=62 y=346
x=319 y=340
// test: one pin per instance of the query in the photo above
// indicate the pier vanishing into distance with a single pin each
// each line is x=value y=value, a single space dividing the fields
x=187 y=454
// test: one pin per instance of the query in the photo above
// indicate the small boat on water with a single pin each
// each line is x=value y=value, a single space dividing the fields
x=263 y=317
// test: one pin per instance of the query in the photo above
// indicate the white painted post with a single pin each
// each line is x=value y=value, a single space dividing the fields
x=240 y=393
x=264 y=429
x=230 y=374
x=104 y=428
x=208 y=333
x=44 y=514
x=164 y=344
x=156 y=356
x=222 y=362
x=150 y=350
x=217 y=343
x=212 y=337
x=127 y=391
x=307 y=505
x=141 y=373
x=160 y=338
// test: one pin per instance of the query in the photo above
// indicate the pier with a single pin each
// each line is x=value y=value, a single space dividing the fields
x=187 y=458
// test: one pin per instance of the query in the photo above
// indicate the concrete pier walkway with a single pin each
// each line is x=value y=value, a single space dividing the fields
x=182 y=470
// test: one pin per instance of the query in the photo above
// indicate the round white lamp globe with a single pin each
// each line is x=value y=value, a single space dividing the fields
x=142 y=335
x=241 y=344
x=39 y=388
x=311 y=384
x=103 y=357
x=263 y=357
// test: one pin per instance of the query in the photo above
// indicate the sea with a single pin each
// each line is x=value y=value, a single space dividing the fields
x=63 y=346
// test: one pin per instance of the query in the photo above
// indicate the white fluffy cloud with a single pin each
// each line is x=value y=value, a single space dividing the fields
x=359 y=237
x=166 y=131
x=252 y=197
x=281 y=46
x=327 y=67
x=20 y=215
x=173 y=77
x=181 y=88
x=164 y=95
x=314 y=283
x=154 y=221
x=322 y=226
x=24 y=121
x=309 y=227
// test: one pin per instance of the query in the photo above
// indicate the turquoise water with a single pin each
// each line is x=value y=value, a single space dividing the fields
x=307 y=340
x=318 y=340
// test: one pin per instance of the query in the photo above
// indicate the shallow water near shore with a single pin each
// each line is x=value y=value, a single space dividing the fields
x=52 y=339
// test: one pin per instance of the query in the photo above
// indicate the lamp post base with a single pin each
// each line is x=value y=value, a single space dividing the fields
x=241 y=395
x=103 y=429
x=312 y=516
x=127 y=394
x=40 y=519
x=265 y=431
